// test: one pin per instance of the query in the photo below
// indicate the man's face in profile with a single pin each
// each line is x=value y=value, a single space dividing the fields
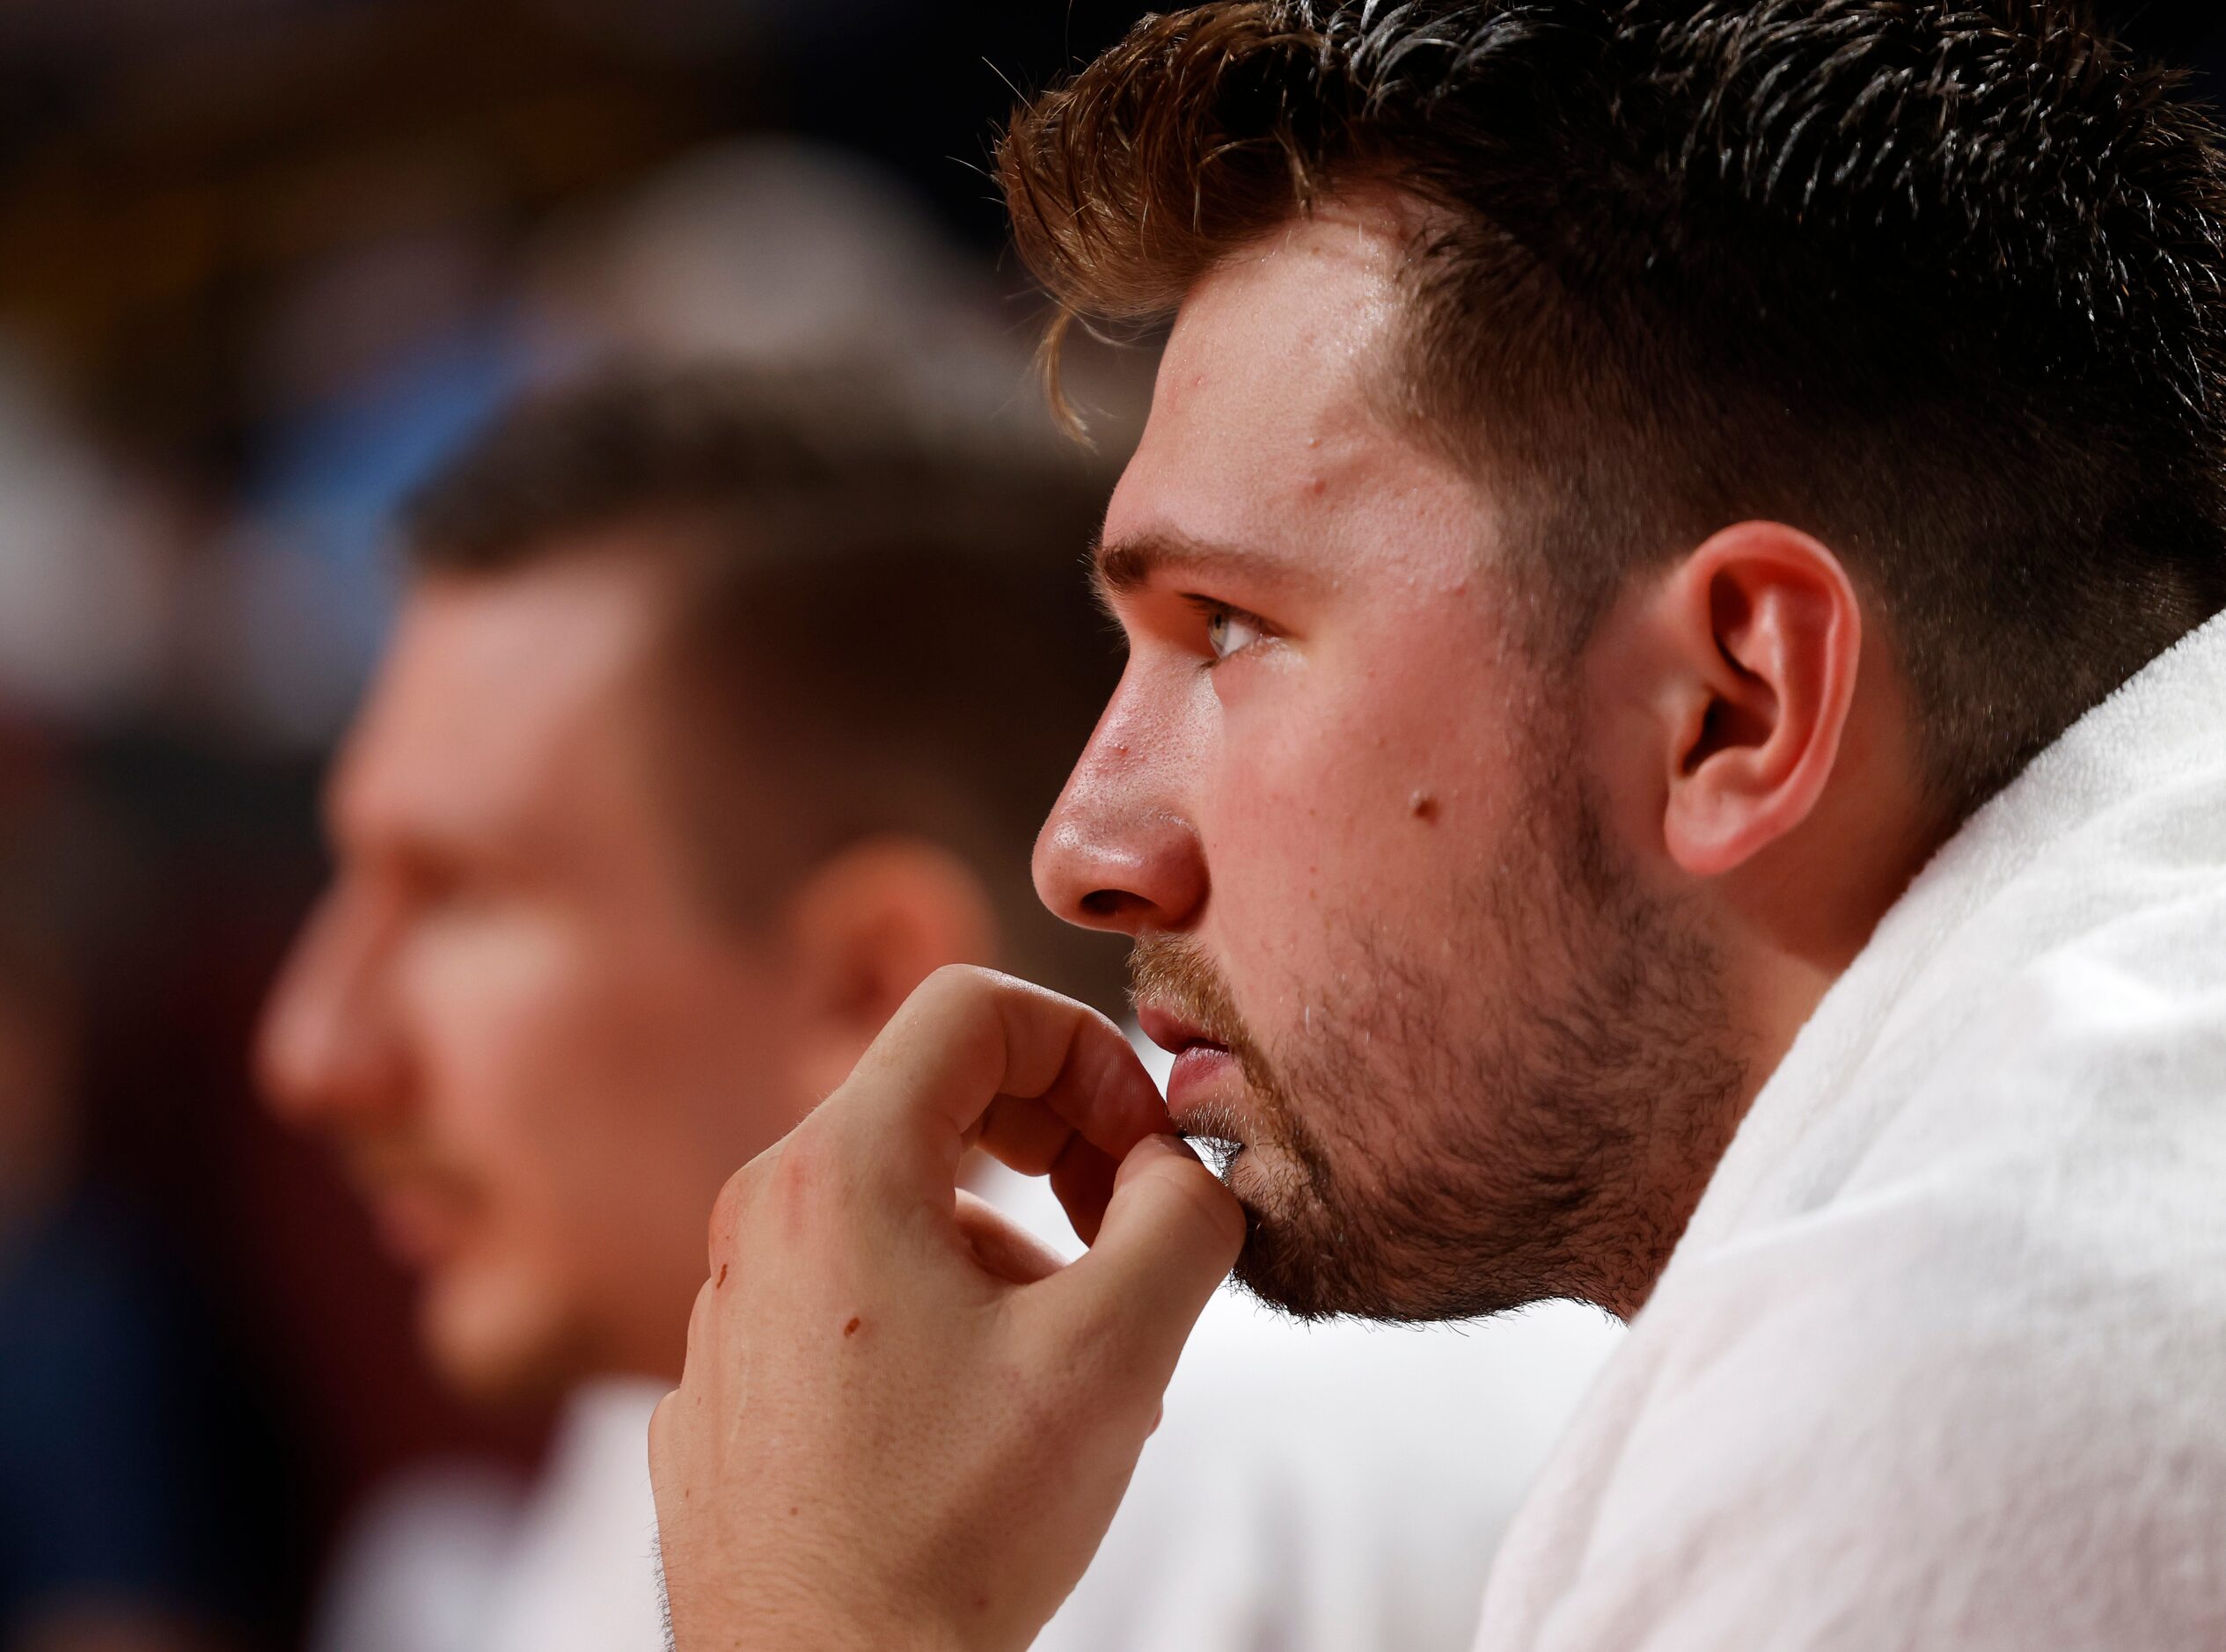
x=1414 y=981
x=533 y=1044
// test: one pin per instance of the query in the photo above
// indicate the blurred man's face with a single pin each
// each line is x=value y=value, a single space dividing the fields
x=1413 y=979
x=537 y=1049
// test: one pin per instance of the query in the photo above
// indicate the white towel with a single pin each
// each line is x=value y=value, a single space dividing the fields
x=1941 y=1360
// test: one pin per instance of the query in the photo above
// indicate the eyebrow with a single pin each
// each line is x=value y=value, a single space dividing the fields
x=1130 y=564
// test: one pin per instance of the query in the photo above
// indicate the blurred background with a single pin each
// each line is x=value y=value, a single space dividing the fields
x=262 y=263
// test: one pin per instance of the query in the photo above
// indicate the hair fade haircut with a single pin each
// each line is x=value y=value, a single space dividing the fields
x=1937 y=281
x=877 y=626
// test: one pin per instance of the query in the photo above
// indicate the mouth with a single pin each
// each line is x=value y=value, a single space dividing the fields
x=420 y=1218
x=418 y=1232
x=1173 y=1034
x=1205 y=1073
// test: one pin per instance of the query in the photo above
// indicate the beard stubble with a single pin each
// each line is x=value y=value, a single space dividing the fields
x=1527 y=1114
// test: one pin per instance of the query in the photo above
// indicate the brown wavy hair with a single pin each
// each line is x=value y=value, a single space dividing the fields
x=1942 y=281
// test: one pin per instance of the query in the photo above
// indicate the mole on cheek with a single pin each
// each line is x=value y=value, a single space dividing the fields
x=851 y=1328
x=1422 y=806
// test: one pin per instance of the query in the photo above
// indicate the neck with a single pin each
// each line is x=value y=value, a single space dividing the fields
x=1786 y=935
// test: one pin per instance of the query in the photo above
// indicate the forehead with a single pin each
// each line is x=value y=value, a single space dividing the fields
x=1269 y=407
x=505 y=697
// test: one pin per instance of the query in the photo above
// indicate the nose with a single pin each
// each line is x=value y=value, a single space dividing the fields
x=1118 y=852
x=327 y=1052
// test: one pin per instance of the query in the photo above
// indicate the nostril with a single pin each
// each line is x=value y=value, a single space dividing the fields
x=1123 y=872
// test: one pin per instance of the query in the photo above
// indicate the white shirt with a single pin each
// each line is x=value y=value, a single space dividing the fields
x=1336 y=1488
x=1339 y=1490
x=459 y=1557
x=1332 y=1488
x=1941 y=1360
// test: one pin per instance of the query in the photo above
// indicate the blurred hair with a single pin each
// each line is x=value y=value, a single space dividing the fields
x=879 y=620
x=1938 y=280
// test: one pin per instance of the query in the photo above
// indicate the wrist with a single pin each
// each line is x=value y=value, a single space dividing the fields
x=821 y=1631
x=786 y=1615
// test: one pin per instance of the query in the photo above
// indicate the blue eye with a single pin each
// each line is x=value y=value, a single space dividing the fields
x=1230 y=630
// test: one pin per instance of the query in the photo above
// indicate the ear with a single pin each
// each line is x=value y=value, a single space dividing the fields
x=865 y=927
x=1757 y=636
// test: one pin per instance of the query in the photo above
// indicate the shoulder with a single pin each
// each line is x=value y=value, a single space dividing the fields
x=1944 y=1409
x=419 y=1564
x=1944 y=1371
x=2073 y=1104
x=581 y=1570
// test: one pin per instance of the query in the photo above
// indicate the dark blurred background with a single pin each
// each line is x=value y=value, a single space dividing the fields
x=262 y=263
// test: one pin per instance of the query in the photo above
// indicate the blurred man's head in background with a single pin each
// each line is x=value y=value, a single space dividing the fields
x=721 y=709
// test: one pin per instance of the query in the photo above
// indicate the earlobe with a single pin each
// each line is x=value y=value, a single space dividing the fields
x=1770 y=631
x=861 y=930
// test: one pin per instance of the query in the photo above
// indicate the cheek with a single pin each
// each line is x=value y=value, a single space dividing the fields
x=597 y=1088
x=510 y=1012
x=1356 y=802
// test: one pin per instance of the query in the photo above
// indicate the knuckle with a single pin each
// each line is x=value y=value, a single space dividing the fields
x=731 y=1208
x=956 y=987
x=782 y=1194
x=800 y=1165
x=668 y=1426
x=700 y=1334
x=961 y=1002
x=951 y=995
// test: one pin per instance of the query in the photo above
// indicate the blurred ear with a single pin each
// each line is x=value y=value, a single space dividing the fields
x=1748 y=650
x=865 y=927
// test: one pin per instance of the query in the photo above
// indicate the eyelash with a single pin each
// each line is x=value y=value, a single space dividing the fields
x=1213 y=611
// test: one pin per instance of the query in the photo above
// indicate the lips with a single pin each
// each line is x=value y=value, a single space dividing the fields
x=420 y=1211
x=1202 y=1064
x=1173 y=1034
x=418 y=1227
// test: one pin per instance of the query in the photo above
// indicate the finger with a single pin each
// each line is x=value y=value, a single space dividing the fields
x=1170 y=1234
x=969 y=1038
x=1082 y=1176
x=1002 y=1249
x=663 y=1421
x=1024 y=1135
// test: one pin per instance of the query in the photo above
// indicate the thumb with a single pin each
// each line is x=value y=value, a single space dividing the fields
x=1170 y=1235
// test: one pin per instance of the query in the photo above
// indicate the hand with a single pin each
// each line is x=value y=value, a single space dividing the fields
x=903 y=1423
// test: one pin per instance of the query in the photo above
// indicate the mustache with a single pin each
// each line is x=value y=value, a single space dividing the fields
x=386 y=1161
x=1173 y=973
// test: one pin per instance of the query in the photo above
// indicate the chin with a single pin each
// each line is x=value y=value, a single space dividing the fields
x=1263 y=1177
x=1312 y=1279
x=1289 y=1260
x=1318 y=1260
x=495 y=1348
